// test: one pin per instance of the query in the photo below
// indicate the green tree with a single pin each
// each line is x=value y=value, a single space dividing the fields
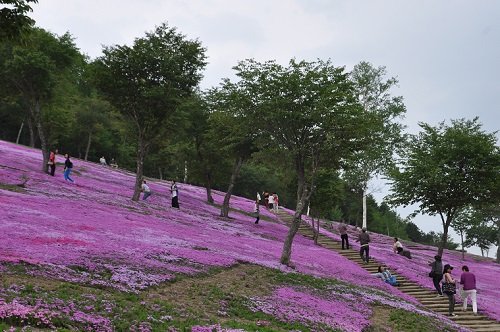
x=34 y=69
x=14 y=21
x=381 y=111
x=447 y=168
x=307 y=109
x=148 y=81
x=483 y=228
x=231 y=127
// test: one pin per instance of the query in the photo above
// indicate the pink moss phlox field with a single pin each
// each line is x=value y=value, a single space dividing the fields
x=91 y=232
x=417 y=269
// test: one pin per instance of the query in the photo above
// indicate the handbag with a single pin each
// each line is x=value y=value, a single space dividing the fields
x=449 y=288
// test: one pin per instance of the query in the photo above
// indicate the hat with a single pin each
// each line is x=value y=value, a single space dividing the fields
x=448 y=266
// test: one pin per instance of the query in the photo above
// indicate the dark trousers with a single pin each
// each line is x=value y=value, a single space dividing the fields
x=436 y=280
x=451 y=302
x=345 y=239
x=257 y=220
x=366 y=250
x=52 y=169
x=175 y=202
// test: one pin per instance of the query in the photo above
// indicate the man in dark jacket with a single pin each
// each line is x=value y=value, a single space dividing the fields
x=364 y=240
x=437 y=273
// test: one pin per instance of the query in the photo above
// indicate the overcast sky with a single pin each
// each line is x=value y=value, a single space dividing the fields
x=446 y=54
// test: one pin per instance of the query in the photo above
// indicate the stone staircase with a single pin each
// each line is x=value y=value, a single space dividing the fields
x=425 y=296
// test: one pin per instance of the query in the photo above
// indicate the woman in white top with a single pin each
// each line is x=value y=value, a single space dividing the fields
x=397 y=245
x=271 y=202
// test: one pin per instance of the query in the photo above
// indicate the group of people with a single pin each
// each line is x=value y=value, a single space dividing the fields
x=270 y=201
x=363 y=239
x=103 y=162
x=174 y=191
x=68 y=165
x=445 y=283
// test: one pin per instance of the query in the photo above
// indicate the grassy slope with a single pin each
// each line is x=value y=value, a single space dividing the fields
x=86 y=257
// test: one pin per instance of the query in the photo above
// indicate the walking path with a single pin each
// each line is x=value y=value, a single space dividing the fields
x=425 y=296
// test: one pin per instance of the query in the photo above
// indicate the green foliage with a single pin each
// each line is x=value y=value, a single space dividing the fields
x=14 y=21
x=447 y=168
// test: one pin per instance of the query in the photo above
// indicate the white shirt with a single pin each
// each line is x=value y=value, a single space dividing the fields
x=397 y=245
x=103 y=161
x=145 y=188
x=271 y=199
x=174 y=190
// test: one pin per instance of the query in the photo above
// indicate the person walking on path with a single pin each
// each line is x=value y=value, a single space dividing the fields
x=468 y=282
x=175 y=194
x=270 y=201
x=102 y=161
x=449 y=288
x=52 y=162
x=68 y=167
x=256 y=211
x=266 y=198
x=343 y=235
x=436 y=273
x=276 y=202
x=145 y=189
x=364 y=240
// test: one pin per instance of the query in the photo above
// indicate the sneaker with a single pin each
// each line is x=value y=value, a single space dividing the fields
x=452 y=315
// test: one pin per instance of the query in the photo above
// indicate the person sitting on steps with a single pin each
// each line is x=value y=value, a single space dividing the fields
x=386 y=276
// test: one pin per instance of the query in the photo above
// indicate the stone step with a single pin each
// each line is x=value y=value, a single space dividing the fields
x=495 y=328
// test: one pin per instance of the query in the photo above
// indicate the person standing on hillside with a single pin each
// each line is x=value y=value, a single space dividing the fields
x=68 y=167
x=271 y=202
x=52 y=162
x=256 y=211
x=436 y=273
x=265 y=194
x=364 y=240
x=397 y=245
x=468 y=282
x=276 y=202
x=145 y=189
x=175 y=194
x=449 y=288
x=103 y=162
x=343 y=235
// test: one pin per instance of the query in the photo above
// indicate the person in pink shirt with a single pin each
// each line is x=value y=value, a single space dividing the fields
x=468 y=282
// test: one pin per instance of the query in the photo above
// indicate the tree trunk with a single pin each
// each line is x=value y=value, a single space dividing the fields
x=89 y=141
x=224 y=212
x=185 y=171
x=141 y=152
x=208 y=186
x=462 y=243
x=364 y=207
x=19 y=132
x=160 y=172
x=444 y=239
x=498 y=243
x=37 y=117
x=31 y=129
x=294 y=227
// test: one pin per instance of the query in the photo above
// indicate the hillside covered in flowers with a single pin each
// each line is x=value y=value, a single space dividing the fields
x=84 y=256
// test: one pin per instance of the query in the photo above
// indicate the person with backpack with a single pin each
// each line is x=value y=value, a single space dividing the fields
x=436 y=274
x=68 y=167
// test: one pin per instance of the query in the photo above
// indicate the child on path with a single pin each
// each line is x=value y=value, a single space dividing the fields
x=145 y=189
x=68 y=167
x=276 y=202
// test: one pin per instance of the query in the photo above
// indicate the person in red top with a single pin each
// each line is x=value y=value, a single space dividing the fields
x=468 y=282
x=52 y=162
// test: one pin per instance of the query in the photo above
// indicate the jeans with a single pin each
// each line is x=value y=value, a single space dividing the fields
x=67 y=172
x=451 y=302
x=436 y=280
x=365 y=249
x=345 y=239
x=472 y=294
x=146 y=195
